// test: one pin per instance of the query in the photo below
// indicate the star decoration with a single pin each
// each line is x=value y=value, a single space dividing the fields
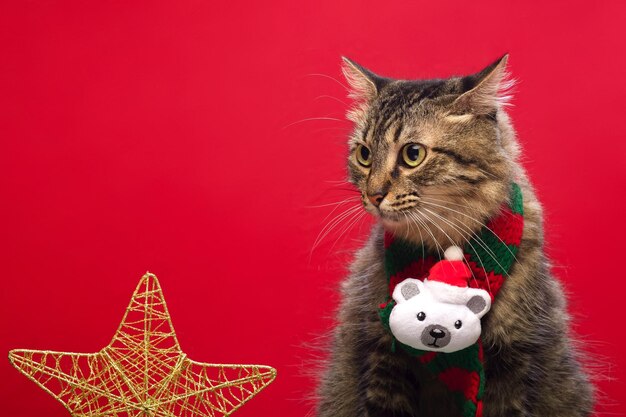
x=142 y=372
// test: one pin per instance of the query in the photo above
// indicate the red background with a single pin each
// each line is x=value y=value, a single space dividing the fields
x=174 y=137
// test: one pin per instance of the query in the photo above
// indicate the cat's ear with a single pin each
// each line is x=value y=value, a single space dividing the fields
x=364 y=87
x=485 y=91
x=364 y=84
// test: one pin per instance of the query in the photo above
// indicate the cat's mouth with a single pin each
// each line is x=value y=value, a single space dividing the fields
x=396 y=220
x=396 y=215
x=391 y=216
x=397 y=211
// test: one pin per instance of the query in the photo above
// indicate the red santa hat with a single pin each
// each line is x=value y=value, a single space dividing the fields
x=452 y=270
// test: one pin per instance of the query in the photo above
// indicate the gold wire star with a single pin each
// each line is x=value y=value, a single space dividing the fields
x=142 y=372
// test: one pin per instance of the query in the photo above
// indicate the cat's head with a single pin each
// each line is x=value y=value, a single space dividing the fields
x=434 y=154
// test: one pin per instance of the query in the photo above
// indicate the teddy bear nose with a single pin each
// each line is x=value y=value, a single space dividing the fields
x=437 y=333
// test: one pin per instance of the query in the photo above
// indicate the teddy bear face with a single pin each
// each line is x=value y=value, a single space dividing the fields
x=436 y=316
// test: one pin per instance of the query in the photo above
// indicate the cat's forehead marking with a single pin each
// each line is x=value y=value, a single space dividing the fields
x=383 y=158
x=401 y=110
x=398 y=130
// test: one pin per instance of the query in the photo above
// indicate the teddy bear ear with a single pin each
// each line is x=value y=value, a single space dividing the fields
x=407 y=289
x=479 y=302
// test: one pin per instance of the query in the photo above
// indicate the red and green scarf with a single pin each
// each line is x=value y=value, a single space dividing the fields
x=490 y=256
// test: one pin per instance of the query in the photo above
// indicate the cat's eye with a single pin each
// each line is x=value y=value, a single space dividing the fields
x=413 y=154
x=421 y=316
x=363 y=155
x=458 y=324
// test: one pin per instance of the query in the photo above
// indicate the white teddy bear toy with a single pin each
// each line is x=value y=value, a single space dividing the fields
x=442 y=313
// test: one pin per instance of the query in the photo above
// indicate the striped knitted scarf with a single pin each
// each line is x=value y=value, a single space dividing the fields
x=490 y=256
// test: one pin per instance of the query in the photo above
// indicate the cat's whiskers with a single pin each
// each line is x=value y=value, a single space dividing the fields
x=454 y=244
x=473 y=219
x=344 y=185
x=332 y=224
x=310 y=119
x=469 y=243
x=477 y=238
x=315 y=74
x=441 y=200
x=348 y=189
x=337 y=203
x=409 y=228
x=333 y=98
x=348 y=223
x=408 y=209
x=490 y=252
x=464 y=234
x=343 y=129
x=422 y=240
x=406 y=231
x=421 y=223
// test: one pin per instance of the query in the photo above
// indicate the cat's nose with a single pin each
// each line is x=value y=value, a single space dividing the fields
x=376 y=199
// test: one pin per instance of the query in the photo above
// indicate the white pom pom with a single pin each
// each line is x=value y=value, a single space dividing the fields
x=454 y=253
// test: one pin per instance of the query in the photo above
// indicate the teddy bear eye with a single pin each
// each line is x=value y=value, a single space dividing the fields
x=421 y=316
x=458 y=324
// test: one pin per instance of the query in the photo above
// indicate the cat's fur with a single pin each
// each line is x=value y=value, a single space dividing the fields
x=532 y=365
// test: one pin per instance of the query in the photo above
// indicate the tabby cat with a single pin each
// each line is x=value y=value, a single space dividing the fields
x=434 y=160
